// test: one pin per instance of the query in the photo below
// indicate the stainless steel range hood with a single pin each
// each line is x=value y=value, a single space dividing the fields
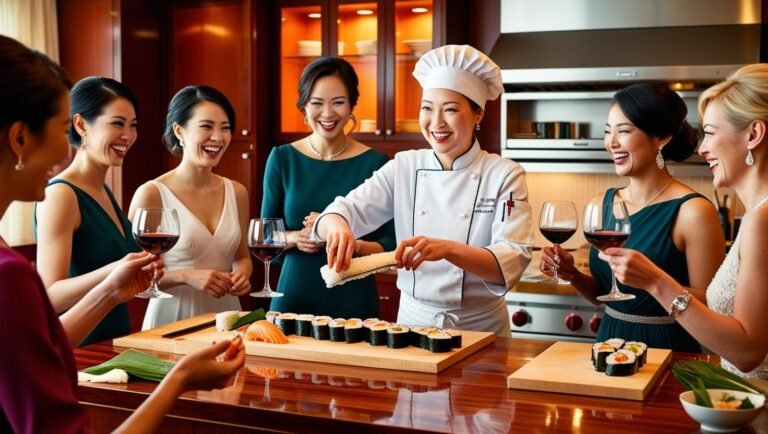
x=602 y=41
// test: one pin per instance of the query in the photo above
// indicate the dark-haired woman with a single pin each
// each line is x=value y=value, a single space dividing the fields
x=209 y=267
x=674 y=226
x=303 y=177
x=80 y=224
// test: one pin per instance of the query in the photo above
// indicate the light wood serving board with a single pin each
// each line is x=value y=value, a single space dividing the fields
x=565 y=367
x=309 y=349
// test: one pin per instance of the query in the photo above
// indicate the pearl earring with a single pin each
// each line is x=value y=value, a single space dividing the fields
x=749 y=160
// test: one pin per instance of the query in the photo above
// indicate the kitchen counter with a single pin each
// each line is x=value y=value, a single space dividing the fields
x=470 y=396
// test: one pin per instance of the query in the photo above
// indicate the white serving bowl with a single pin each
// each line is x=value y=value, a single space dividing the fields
x=718 y=420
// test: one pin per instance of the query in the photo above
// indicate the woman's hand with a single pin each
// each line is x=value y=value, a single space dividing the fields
x=565 y=264
x=305 y=243
x=412 y=252
x=632 y=268
x=215 y=283
x=309 y=220
x=133 y=274
x=340 y=241
x=241 y=285
x=201 y=371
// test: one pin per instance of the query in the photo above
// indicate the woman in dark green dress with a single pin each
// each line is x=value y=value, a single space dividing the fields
x=302 y=177
x=81 y=230
x=674 y=226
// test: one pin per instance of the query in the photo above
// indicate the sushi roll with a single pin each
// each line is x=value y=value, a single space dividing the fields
x=287 y=323
x=419 y=334
x=377 y=333
x=640 y=349
x=336 y=329
x=225 y=320
x=617 y=343
x=438 y=341
x=271 y=316
x=320 y=329
x=600 y=352
x=455 y=337
x=353 y=330
x=398 y=336
x=304 y=325
x=621 y=363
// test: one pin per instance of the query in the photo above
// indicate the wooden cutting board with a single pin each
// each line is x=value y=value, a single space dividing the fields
x=565 y=367
x=309 y=349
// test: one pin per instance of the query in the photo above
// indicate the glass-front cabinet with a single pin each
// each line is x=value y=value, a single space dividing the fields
x=382 y=40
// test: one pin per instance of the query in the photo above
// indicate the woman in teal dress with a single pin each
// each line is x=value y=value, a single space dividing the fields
x=302 y=177
x=81 y=230
x=674 y=226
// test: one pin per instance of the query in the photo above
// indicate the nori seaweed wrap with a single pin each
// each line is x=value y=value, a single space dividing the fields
x=336 y=329
x=438 y=341
x=621 y=363
x=353 y=330
x=600 y=351
x=320 y=330
x=304 y=325
x=286 y=322
x=398 y=336
x=377 y=333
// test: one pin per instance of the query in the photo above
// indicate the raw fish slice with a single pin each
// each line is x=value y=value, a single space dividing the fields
x=265 y=331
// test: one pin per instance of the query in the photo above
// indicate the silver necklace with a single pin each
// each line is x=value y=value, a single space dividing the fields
x=326 y=157
x=658 y=193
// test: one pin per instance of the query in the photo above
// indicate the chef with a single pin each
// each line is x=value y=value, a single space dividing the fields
x=462 y=220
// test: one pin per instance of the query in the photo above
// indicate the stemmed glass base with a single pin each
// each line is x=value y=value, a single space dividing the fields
x=615 y=294
x=267 y=291
x=153 y=292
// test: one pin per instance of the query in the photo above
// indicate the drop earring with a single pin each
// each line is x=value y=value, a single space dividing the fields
x=749 y=160
x=659 y=160
x=306 y=121
x=19 y=166
x=477 y=127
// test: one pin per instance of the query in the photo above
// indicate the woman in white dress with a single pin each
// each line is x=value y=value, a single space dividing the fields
x=461 y=240
x=209 y=266
x=734 y=117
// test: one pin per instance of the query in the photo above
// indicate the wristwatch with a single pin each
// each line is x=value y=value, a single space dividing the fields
x=680 y=303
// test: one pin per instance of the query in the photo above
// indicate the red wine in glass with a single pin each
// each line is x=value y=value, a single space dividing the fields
x=606 y=239
x=266 y=252
x=266 y=240
x=607 y=225
x=557 y=222
x=156 y=231
x=557 y=235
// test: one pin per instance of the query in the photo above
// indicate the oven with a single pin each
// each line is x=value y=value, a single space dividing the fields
x=560 y=317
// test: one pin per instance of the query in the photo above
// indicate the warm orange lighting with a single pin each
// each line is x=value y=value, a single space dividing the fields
x=419 y=10
x=365 y=12
x=315 y=15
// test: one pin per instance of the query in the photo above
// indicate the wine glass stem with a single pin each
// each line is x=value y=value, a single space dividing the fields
x=266 y=277
x=554 y=265
x=614 y=287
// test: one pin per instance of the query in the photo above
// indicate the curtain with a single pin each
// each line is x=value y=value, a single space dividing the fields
x=33 y=23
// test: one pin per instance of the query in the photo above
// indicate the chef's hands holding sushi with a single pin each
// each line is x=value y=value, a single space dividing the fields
x=133 y=274
x=340 y=242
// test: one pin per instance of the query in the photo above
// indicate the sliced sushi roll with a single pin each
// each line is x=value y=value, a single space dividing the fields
x=600 y=352
x=455 y=337
x=320 y=329
x=304 y=325
x=398 y=336
x=377 y=333
x=225 y=320
x=336 y=329
x=287 y=323
x=271 y=316
x=367 y=323
x=617 y=343
x=353 y=330
x=621 y=363
x=640 y=349
x=419 y=334
x=438 y=341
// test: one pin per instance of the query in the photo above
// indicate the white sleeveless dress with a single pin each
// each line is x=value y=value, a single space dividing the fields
x=197 y=248
x=721 y=293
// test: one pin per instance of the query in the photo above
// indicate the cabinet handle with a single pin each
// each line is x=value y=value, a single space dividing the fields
x=377 y=132
x=384 y=297
x=245 y=132
x=388 y=132
x=245 y=155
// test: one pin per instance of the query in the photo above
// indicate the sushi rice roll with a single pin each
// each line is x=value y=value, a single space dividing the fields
x=304 y=325
x=225 y=320
x=617 y=343
x=353 y=330
x=621 y=363
x=367 y=323
x=286 y=322
x=600 y=352
x=271 y=316
x=640 y=349
x=455 y=337
x=336 y=329
x=438 y=341
x=377 y=333
x=398 y=336
x=420 y=336
x=320 y=329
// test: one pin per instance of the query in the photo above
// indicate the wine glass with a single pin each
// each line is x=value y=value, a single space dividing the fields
x=266 y=400
x=156 y=231
x=557 y=223
x=607 y=225
x=266 y=241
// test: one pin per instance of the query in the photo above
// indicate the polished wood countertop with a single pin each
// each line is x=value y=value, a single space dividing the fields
x=289 y=396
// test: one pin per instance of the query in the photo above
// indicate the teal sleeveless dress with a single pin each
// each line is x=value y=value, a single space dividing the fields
x=295 y=185
x=652 y=236
x=96 y=243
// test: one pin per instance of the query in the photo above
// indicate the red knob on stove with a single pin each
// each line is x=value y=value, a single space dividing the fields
x=594 y=323
x=520 y=318
x=573 y=322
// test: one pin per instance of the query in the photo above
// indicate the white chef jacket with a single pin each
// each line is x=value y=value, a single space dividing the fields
x=467 y=204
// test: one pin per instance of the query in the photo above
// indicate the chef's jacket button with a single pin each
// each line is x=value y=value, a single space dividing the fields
x=423 y=174
x=422 y=211
x=462 y=215
x=473 y=176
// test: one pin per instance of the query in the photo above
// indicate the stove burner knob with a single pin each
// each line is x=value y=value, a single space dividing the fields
x=573 y=322
x=594 y=323
x=520 y=318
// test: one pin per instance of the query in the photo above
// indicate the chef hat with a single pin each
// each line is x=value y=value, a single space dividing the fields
x=460 y=68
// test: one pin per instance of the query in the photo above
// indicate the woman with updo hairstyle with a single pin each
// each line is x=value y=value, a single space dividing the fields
x=38 y=369
x=82 y=231
x=676 y=228
x=303 y=177
x=209 y=267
